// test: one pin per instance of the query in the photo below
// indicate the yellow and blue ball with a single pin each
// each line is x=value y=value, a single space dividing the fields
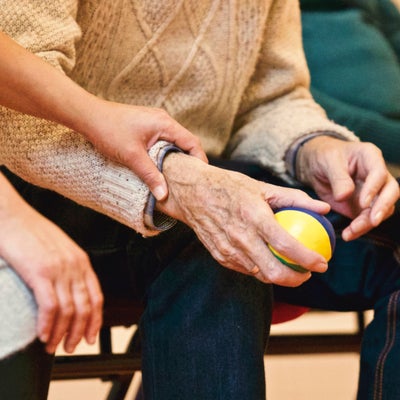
x=311 y=229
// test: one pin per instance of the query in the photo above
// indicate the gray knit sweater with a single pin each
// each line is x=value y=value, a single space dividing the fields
x=18 y=312
x=232 y=72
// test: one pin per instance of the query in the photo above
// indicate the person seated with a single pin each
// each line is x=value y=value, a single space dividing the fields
x=48 y=289
x=199 y=259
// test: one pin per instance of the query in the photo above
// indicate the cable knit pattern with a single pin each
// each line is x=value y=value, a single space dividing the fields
x=231 y=71
x=204 y=62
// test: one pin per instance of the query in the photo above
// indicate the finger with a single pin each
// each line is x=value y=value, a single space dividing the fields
x=361 y=225
x=96 y=300
x=288 y=246
x=383 y=205
x=278 y=197
x=373 y=184
x=358 y=226
x=337 y=174
x=63 y=317
x=47 y=308
x=251 y=250
x=271 y=270
x=79 y=320
x=185 y=140
x=147 y=171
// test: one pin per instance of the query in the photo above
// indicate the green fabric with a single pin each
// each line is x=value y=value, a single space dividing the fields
x=353 y=56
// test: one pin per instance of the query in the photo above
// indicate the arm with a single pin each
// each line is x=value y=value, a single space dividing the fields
x=57 y=271
x=277 y=107
x=236 y=225
x=121 y=132
x=278 y=110
x=55 y=157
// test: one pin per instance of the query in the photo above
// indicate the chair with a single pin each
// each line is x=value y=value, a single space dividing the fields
x=107 y=365
x=313 y=343
x=120 y=368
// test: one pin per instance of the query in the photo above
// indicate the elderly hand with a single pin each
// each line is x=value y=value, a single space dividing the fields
x=232 y=216
x=353 y=178
x=65 y=287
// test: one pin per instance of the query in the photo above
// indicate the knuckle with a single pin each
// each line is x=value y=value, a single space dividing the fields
x=67 y=310
x=83 y=311
x=163 y=114
x=224 y=248
x=83 y=257
x=280 y=246
x=98 y=301
x=275 y=275
x=50 y=307
x=163 y=118
x=371 y=147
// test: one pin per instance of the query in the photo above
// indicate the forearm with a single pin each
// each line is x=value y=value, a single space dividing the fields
x=31 y=86
x=277 y=108
x=50 y=155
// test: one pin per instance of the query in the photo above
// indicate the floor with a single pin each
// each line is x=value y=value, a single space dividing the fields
x=299 y=377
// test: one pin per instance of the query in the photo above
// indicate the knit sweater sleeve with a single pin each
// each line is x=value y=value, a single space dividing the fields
x=50 y=155
x=277 y=108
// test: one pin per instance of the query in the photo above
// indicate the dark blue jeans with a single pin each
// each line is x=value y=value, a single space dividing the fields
x=205 y=328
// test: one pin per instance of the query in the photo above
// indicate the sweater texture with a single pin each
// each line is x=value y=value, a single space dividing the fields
x=232 y=72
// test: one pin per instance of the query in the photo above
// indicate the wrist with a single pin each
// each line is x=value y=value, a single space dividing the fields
x=306 y=155
x=182 y=186
x=294 y=158
x=87 y=115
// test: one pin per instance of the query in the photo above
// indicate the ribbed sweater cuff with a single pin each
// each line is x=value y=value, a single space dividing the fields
x=123 y=194
x=153 y=218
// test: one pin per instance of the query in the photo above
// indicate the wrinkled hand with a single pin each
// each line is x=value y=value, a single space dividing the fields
x=353 y=178
x=232 y=215
x=125 y=133
x=59 y=273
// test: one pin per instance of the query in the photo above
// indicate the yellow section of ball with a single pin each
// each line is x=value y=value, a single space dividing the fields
x=307 y=230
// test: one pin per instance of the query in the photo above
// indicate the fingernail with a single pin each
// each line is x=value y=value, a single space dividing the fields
x=69 y=348
x=91 y=339
x=368 y=200
x=159 y=192
x=378 y=217
x=323 y=266
x=345 y=235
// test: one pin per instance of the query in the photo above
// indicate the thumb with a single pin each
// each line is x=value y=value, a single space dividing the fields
x=147 y=171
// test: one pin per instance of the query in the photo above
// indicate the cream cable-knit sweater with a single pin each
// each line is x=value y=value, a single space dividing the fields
x=231 y=71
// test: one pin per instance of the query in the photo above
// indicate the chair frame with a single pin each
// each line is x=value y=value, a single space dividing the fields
x=119 y=368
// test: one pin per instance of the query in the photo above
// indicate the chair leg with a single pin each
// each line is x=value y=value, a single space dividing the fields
x=140 y=394
x=120 y=387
